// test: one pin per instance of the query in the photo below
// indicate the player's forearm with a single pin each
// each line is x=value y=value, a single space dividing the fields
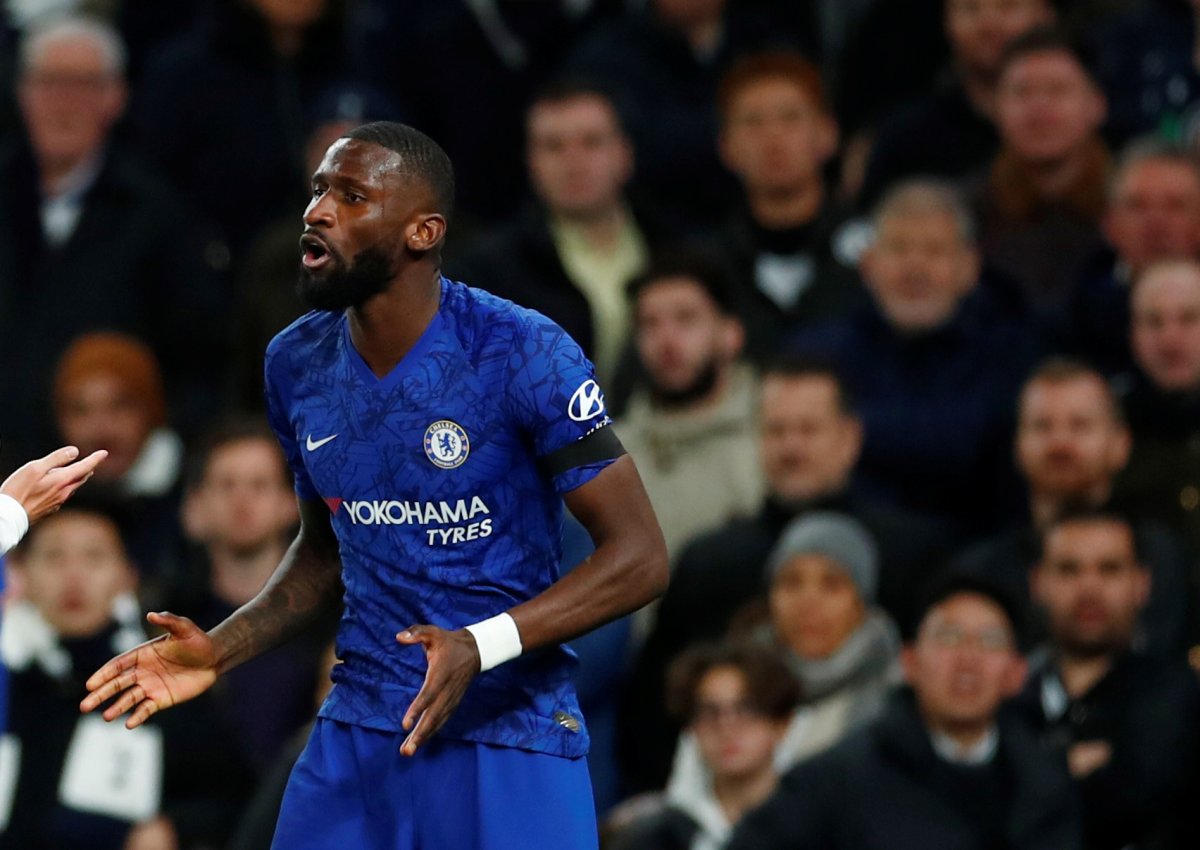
x=306 y=583
x=621 y=576
x=627 y=570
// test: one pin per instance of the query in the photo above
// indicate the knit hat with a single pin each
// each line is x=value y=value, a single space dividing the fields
x=838 y=537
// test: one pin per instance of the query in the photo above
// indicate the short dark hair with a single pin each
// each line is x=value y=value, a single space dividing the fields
x=796 y=366
x=421 y=158
x=563 y=89
x=954 y=582
x=770 y=65
x=226 y=432
x=1151 y=148
x=1061 y=369
x=705 y=270
x=1080 y=512
x=772 y=689
x=1049 y=39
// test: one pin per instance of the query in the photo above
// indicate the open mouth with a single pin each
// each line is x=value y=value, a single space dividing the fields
x=314 y=253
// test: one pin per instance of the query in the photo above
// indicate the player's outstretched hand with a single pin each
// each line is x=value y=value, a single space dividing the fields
x=453 y=659
x=41 y=486
x=157 y=674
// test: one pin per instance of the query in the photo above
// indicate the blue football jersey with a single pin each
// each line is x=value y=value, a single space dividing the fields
x=444 y=480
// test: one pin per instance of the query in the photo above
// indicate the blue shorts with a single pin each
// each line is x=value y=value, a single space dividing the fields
x=351 y=788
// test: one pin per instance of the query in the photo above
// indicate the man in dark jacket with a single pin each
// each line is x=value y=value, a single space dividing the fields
x=89 y=240
x=933 y=361
x=570 y=254
x=1071 y=443
x=1163 y=402
x=944 y=766
x=777 y=136
x=949 y=131
x=1126 y=720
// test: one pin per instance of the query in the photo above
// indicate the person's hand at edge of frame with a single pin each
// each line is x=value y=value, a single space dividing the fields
x=453 y=658
x=43 y=485
x=162 y=672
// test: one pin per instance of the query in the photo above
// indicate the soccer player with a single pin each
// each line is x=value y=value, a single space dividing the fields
x=40 y=487
x=434 y=431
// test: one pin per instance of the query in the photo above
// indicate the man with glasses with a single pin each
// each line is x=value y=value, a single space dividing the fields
x=943 y=766
x=89 y=239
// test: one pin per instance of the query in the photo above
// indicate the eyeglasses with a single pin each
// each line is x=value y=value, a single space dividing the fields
x=710 y=713
x=954 y=637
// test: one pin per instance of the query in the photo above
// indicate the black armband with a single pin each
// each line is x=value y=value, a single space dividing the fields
x=598 y=446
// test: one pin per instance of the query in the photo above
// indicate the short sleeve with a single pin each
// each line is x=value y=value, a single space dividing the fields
x=277 y=380
x=559 y=403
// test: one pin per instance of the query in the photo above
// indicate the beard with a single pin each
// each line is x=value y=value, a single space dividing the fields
x=673 y=398
x=1090 y=643
x=1091 y=647
x=346 y=285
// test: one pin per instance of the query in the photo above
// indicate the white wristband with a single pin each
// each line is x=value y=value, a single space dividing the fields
x=497 y=639
x=14 y=522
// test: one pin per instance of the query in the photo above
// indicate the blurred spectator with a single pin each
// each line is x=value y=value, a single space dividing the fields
x=1153 y=213
x=1147 y=66
x=823 y=574
x=944 y=766
x=691 y=422
x=503 y=52
x=108 y=394
x=1041 y=202
x=570 y=254
x=809 y=442
x=950 y=131
x=841 y=647
x=267 y=301
x=1127 y=721
x=1071 y=443
x=221 y=109
x=88 y=239
x=1163 y=405
x=80 y=782
x=663 y=65
x=923 y=362
x=241 y=508
x=735 y=701
x=777 y=137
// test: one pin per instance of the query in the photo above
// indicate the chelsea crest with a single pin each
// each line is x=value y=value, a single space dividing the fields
x=446 y=444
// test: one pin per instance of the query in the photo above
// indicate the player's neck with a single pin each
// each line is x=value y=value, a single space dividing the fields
x=237 y=576
x=387 y=327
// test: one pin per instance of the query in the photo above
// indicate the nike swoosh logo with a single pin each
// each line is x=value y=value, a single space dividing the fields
x=313 y=445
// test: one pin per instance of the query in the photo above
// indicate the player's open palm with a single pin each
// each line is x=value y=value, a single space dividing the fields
x=157 y=674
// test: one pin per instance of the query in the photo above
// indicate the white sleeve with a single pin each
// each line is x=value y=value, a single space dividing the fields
x=14 y=522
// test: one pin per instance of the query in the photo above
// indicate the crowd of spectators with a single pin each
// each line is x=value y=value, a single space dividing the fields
x=896 y=304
